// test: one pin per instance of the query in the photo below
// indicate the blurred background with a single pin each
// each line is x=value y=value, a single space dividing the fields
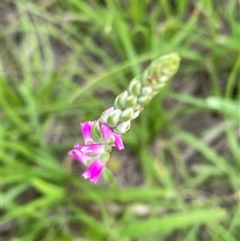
x=63 y=62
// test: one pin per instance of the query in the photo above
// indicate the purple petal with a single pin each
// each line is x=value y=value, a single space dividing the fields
x=78 y=146
x=94 y=171
x=111 y=137
x=118 y=142
x=93 y=149
x=79 y=156
x=107 y=133
x=86 y=128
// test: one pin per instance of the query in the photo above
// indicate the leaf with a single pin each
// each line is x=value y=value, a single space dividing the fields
x=48 y=189
x=171 y=222
x=13 y=193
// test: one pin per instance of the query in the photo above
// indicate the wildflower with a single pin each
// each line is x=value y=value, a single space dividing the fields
x=92 y=153
x=106 y=132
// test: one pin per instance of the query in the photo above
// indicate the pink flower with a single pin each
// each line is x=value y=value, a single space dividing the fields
x=95 y=154
x=85 y=153
x=86 y=128
x=94 y=171
x=111 y=136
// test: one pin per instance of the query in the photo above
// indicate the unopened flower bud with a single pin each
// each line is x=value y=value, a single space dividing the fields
x=144 y=100
x=123 y=127
x=135 y=114
x=147 y=90
x=135 y=87
x=127 y=114
x=113 y=117
x=104 y=116
x=120 y=101
x=137 y=107
x=131 y=101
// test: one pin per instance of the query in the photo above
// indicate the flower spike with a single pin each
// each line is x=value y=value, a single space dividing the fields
x=101 y=135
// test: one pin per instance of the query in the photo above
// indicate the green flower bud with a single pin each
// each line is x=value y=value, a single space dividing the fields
x=147 y=90
x=127 y=114
x=104 y=116
x=135 y=114
x=123 y=127
x=161 y=70
x=144 y=100
x=135 y=87
x=113 y=117
x=120 y=101
x=131 y=101
x=137 y=107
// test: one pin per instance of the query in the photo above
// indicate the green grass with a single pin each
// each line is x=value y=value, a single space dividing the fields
x=63 y=62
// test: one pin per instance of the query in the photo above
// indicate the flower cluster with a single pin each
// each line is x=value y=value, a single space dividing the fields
x=101 y=135
x=95 y=154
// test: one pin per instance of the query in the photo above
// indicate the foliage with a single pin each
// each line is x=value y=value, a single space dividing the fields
x=64 y=62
